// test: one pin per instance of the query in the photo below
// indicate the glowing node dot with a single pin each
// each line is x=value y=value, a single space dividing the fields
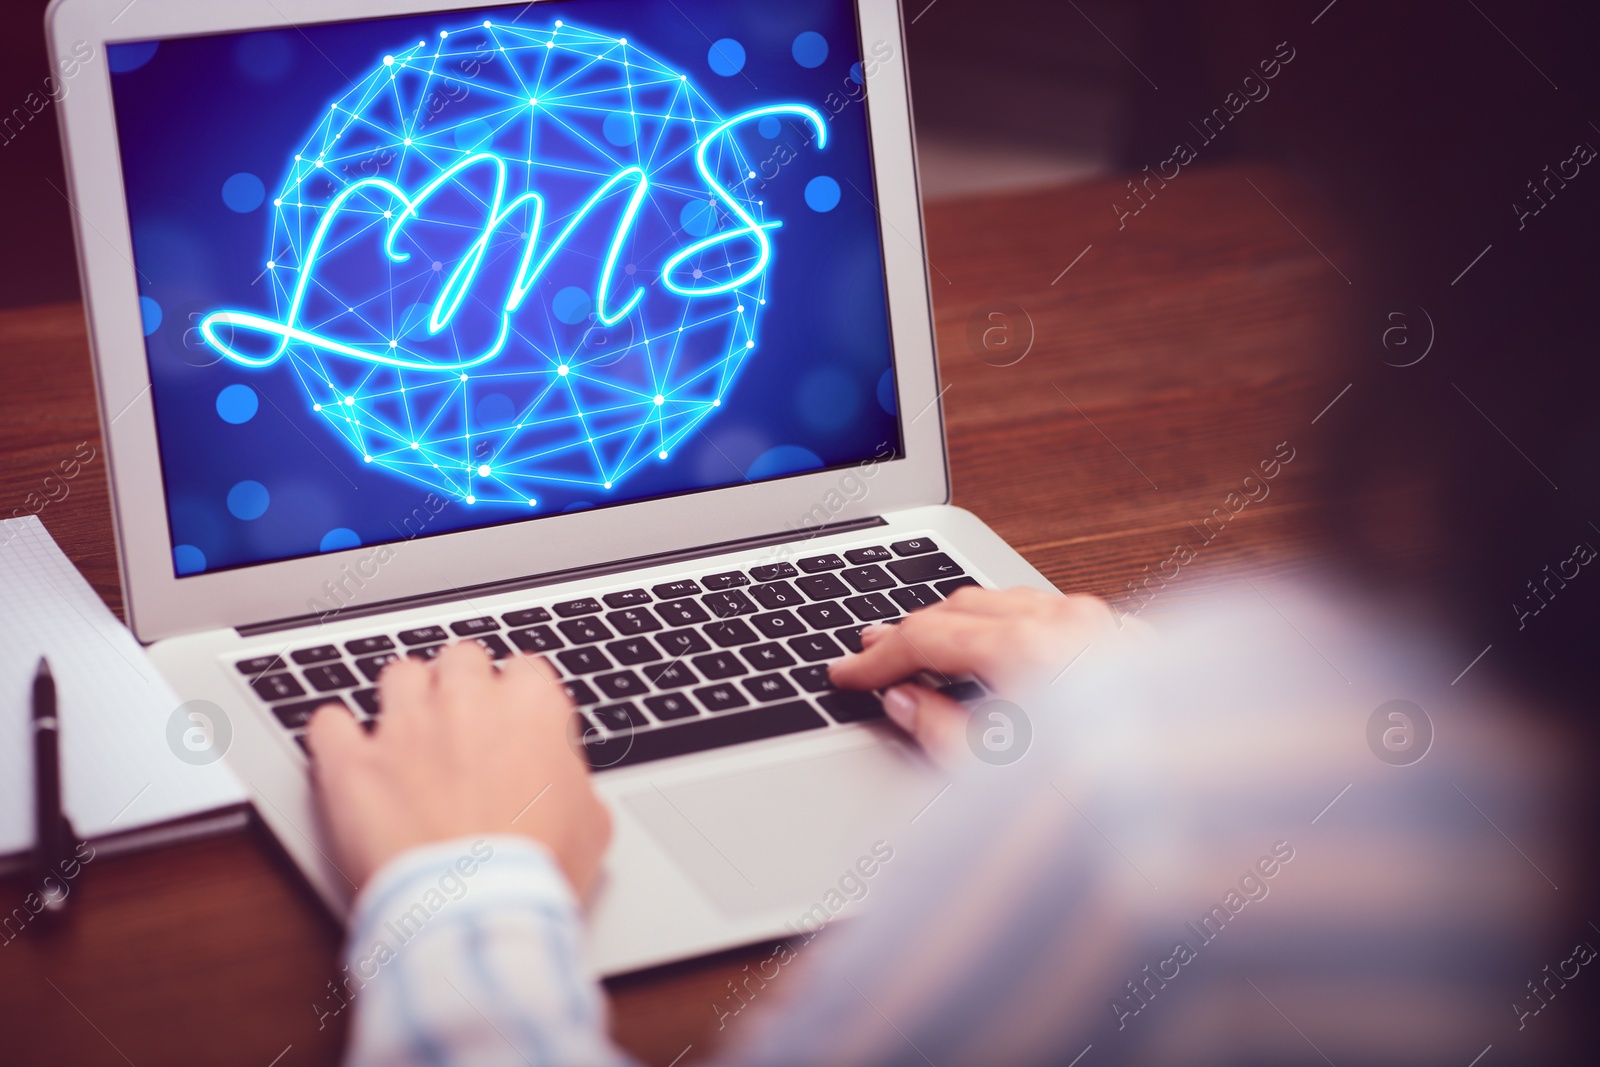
x=408 y=140
x=319 y=163
x=472 y=500
x=316 y=407
x=483 y=471
x=533 y=502
x=660 y=400
x=558 y=24
x=350 y=401
x=463 y=376
x=622 y=40
x=663 y=455
x=562 y=370
x=716 y=403
x=368 y=459
x=740 y=309
x=272 y=264
x=533 y=100
x=485 y=23
x=394 y=344
x=278 y=202
x=415 y=446
x=608 y=485
x=443 y=34
x=752 y=174
x=749 y=344
x=388 y=61
x=388 y=214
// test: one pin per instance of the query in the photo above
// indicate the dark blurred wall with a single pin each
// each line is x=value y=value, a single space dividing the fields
x=35 y=224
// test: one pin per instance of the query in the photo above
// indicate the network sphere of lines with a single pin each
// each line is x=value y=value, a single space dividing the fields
x=511 y=258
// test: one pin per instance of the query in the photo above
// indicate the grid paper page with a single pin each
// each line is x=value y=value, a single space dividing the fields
x=118 y=771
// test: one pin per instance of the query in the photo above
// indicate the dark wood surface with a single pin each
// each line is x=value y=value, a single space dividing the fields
x=1171 y=358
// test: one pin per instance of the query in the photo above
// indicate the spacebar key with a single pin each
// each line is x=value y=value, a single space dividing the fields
x=704 y=734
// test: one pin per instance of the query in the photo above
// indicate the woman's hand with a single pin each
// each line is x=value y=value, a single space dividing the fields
x=1014 y=640
x=459 y=750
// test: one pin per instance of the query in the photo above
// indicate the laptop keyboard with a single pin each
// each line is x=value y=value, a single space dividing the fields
x=681 y=666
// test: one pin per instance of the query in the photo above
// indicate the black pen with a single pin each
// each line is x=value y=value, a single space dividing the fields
x=54 y=834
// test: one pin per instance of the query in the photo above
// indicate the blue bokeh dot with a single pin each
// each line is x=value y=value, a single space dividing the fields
x=150 y=314
x=726 y=57
x=415 y=321
x=856 y=74
x=571 y=305
x=699 y=217
x=122 y=58
x=886 y=395
x=578 y=505
x=265 y=57
x=340 y=539
x=237 y=404
x=822 y=193
x=828 y=400
x=495 y=410
x=187 y=559
x=248 y=500
x=810 y=49
x=243 y=192
x=785 y=459
x=621 y=128
x=769 y=127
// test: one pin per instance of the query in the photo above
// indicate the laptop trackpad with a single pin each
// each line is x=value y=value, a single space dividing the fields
x=780 y=838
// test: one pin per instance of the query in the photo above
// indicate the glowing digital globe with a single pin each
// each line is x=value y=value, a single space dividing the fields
x=511 y=258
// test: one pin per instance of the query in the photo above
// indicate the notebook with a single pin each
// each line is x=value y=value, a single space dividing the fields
x=137 y=769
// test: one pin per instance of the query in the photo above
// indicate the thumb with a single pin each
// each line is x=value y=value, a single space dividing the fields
x=938 y=723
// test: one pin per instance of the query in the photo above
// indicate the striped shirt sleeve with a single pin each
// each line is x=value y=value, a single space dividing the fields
x=467 y=952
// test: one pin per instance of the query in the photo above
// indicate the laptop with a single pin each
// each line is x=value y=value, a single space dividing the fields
x=597 y=330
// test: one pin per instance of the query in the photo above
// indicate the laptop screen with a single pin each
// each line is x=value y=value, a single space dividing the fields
x=407 y=276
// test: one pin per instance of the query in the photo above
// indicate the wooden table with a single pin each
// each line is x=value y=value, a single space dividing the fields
x=1173 y=356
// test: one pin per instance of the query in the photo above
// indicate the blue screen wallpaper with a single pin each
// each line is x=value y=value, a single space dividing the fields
x=493 y=265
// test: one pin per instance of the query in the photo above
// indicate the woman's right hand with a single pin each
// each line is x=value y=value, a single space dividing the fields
x=1014 y=640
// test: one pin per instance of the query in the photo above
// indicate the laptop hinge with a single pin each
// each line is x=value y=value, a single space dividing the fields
x=534 y=581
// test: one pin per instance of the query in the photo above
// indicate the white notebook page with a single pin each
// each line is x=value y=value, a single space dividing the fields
x=119 y=773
